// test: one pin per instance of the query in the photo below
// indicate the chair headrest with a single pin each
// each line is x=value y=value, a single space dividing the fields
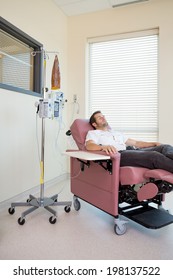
x=79 y=129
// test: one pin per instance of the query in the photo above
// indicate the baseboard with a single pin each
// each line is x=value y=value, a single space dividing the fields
x=24 y=195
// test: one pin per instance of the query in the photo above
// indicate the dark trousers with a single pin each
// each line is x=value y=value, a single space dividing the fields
x=159 y=157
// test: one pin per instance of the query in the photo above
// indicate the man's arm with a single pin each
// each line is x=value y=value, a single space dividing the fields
x=141 y=144
x=91 y=146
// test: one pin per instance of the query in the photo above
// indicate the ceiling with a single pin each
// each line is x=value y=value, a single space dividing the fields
x=78 y=7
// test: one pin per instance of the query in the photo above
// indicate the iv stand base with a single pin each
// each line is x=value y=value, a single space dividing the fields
x=34 y=203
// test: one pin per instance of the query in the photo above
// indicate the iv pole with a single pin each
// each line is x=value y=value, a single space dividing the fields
x=42 y=201
x=43 y=135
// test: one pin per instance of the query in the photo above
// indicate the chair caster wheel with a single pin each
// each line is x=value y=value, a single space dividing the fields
x=11 y=211
x=120 y=230
x=76 y=204
x=67 y=209
x=21 y=221
x=52 y=219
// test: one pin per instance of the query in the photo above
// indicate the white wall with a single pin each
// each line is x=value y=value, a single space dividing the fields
x=19 y=161
x=147 y=15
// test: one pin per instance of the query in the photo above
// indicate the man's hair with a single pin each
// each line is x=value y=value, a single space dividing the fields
x=92 y=118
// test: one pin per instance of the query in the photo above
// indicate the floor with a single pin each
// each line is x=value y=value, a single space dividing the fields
x=86 y=234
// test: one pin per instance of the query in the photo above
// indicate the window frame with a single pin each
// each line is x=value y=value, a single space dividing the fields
x=38 y=58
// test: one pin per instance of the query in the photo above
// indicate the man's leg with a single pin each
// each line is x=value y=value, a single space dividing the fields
x=147 y=159
x=166 y=150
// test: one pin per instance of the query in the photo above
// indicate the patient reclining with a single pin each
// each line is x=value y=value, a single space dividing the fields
x=152 y=155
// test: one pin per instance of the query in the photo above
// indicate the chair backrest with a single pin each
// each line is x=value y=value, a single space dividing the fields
x=79 y=129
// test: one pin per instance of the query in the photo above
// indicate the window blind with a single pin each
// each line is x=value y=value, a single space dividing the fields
x=21 y=60
x=123 y=83
x=17 y=71
x=16 y=63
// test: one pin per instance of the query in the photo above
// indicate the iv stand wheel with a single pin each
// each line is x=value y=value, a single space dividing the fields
x=67 y=209
x=21 y=221
x=11 y=210
x=52 y=220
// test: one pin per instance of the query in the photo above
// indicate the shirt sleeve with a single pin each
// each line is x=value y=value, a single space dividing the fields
x=91 y=135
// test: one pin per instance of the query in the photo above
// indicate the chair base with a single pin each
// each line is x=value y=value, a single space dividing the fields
x=34 y=203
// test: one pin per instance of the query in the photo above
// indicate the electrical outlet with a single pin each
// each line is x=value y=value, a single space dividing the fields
x=74 y=98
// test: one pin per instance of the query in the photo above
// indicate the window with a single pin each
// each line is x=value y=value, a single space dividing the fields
x=20 y=60
x=123 y=82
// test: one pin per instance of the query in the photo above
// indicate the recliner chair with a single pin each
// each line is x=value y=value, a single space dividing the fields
x=134 y=192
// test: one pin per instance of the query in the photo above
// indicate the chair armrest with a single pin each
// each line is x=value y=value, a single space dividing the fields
x=85 y=155
x=115 y=156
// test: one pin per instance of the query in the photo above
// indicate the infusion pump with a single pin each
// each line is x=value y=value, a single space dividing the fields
x=51 y=107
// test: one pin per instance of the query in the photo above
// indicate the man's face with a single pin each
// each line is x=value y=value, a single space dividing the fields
x=100 y=121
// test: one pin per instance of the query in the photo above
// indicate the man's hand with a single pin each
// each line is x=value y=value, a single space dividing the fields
x=109 y=149
x=141 y=144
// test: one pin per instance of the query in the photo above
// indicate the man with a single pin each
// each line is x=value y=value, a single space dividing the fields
x=152 y=155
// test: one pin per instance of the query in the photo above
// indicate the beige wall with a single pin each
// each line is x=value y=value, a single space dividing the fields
x=19 y=161
x=155 y=13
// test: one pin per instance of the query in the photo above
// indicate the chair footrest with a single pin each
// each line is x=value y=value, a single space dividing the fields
x=149 y=217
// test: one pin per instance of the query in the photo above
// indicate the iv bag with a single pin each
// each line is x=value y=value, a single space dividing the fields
x=56 y=78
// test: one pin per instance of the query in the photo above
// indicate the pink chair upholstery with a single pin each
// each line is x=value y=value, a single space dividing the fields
x=132 y=175
x=79 y=130
x=106 y=185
